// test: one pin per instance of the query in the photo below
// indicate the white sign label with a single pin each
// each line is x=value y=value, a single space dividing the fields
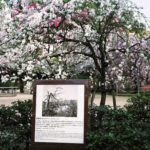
x=59 y=116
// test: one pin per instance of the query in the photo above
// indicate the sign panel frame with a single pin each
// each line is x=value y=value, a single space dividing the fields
x=63 y=126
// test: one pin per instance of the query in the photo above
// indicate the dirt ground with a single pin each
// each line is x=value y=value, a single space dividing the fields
x=4 y=100
x=121 y=100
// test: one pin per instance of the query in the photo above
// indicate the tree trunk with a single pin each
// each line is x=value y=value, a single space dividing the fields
x=103 y=98
x=95 y=86
x=103 y=80
x=93 y=97
x=21 y=85
x=103 y=90
x=113 y=93
x=135 y=86
x=114 y=99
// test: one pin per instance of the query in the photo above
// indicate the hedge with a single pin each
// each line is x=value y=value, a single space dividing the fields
x=120 y=129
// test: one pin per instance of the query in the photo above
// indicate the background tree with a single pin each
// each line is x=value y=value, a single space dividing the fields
x=77 y=30
x=89 y=26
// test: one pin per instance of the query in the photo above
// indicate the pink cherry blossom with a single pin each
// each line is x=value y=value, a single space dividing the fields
x=51 y=22
x=84 y=13
x=32 y=6
x=57 y=21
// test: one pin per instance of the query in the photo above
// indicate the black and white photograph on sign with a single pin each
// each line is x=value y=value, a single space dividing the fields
x=54 y=104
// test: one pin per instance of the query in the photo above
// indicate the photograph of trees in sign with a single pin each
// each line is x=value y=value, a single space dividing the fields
x=55 y=105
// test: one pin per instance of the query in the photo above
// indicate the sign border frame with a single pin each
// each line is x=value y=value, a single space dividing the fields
x=60 y=146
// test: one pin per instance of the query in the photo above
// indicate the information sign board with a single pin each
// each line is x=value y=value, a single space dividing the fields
x=60 y=114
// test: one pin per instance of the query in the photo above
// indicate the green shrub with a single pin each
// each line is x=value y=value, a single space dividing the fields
x=117 y=130
x=121 y=129
x=15 y=126
x=139 y=106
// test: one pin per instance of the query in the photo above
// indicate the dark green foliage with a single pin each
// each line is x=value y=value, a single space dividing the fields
x=139 y=106
x=121 y=129
x=15 y=126
x=1 y=4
